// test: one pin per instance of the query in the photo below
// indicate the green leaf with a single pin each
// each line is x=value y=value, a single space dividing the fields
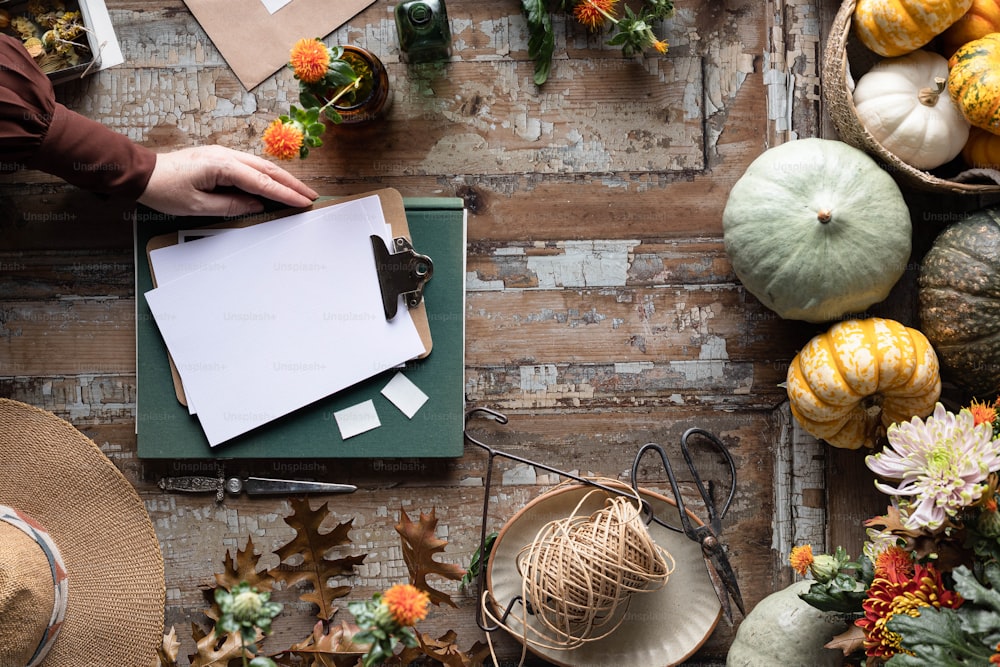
x=541 y=40
x=261 y=661
x=937 y=639
x=308 y=99
x=333 y=115
x=478 y=561
x=316 y=129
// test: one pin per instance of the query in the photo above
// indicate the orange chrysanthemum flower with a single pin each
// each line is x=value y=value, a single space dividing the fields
x=661 y=45
x=983 y=413
x=593 y=13
x=310 y=59
x=887 y=598
x=801 y=558
x=283 y=140
x=406 y=603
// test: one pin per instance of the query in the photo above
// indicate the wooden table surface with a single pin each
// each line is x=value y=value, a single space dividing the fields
x=602 y=312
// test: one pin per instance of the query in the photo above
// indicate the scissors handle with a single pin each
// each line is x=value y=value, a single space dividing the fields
x=714 y=515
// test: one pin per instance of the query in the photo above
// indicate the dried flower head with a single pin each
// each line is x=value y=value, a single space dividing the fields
x=310 y=59
x=801 y=558
x=407 y=603
x=283 y=140
x=593 y=13
x=941 y=464
x=983 y=413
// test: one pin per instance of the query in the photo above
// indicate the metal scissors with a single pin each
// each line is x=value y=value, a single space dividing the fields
x=720 y=571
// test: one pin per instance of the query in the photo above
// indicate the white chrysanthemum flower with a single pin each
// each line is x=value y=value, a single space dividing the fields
x=941 y=464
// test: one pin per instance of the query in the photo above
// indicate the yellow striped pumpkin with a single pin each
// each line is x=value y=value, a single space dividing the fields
x=974 y=81
x=846 y=386
x=897 y=27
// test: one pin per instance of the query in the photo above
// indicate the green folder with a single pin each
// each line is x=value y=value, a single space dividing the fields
x=165 y=429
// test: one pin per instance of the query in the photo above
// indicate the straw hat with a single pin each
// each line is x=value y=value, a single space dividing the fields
x=81 y=575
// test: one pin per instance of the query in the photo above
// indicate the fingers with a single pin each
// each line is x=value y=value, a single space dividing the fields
x=186 y=182
x=258 y=176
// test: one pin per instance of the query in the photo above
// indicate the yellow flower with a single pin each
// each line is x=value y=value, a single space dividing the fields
x=801 y=558
x=406 y=603
x=310 y=59
x=283 y=140
x=661 y=45
x=593 y=13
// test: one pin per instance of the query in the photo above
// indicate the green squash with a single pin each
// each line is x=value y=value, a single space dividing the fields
x=959 y=302
x=784 y=630
x=815 y=229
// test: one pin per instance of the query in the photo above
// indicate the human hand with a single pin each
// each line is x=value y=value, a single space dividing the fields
x=183 y=182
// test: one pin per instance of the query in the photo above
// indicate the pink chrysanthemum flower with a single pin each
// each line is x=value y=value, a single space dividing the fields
x=941 y=464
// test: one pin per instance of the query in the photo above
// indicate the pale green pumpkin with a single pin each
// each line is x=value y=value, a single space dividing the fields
x=816 y=230
x=782 y=629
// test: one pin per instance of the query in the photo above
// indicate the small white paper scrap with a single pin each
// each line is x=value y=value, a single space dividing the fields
x=404 y=394
x=357 y=419
x=274 y=5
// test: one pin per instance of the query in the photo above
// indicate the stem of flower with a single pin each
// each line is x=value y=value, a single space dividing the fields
x=343 y=91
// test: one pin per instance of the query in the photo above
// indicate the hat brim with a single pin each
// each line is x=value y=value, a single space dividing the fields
x=60 y=478
x=663 y=627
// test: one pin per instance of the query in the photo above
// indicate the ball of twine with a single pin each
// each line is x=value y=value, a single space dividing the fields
x=580 y=572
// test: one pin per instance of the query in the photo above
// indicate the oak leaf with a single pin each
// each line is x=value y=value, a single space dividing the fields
x=420 y=545
x=216 y=652
x=326 y=649
x=167 y=651
x=848 y=641
x=446 y=651
x=315 y=568
x=236 y=569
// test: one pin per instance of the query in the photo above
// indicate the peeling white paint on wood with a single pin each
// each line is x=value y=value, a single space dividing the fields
x=584 y=264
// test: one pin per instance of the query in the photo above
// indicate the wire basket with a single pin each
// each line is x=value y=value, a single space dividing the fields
x=846 y=59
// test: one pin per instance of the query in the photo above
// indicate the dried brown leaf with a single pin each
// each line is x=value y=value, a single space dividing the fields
x=213 y=652
x=241 y=567
x=848 y=641
x=167 y=651
x=446 y=651
x=420 y=545
x=326 y=649
x=315 y=568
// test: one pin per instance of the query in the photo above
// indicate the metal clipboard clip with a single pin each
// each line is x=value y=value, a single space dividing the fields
x=400 y=272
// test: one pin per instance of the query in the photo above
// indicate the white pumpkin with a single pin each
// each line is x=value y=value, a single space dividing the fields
x=783 y=629
x=904 y=104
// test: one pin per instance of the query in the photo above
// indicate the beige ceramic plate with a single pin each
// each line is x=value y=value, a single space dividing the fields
x=661 y=628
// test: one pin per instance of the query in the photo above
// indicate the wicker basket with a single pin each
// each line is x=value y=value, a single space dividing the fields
x=845 y=57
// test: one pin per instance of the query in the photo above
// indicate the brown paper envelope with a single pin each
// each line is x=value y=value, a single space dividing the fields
x=256 y=43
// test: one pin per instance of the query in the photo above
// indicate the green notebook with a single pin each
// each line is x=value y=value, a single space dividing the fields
x=165 y=429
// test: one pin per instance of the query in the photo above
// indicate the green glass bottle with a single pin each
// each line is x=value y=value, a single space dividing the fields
x=422 y=27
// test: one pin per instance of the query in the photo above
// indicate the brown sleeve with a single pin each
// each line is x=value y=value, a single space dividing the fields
x=38 y=133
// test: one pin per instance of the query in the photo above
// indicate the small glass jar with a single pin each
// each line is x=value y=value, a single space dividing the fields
x=373 y=99
x=423 y=31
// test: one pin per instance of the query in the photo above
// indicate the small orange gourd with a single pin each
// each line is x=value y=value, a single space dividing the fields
x=896 y=27
x=982 y=149
x=846 y=386
x=974 y=81
x=982 y=18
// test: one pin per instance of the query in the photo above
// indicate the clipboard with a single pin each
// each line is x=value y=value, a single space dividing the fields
x=165 y=430
x=395 y=214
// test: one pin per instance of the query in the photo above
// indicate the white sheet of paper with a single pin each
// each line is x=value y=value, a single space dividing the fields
x=210 y=253
x=104 y=32
x=357 y=419
x=405 y=395
x=292 y=319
